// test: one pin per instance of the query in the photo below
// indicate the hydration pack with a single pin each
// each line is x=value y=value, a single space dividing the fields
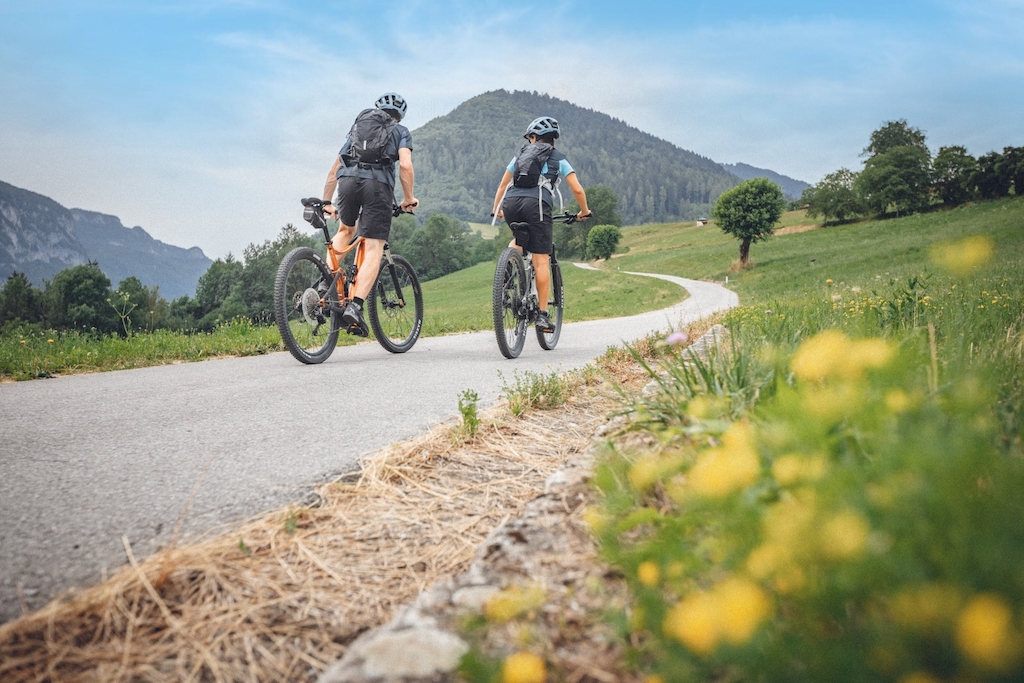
x=529 y=162
x=369 y=137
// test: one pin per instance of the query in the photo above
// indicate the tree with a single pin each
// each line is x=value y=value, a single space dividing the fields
x=77 y=298
x=834 y=198
x=19 y=300
x=438 y=248
x=1011 y=165
x=603 y=240
x=989 y=178
x=952 y=169
x=894 y=134
x=213 y=289
x=897 y=179
x=571 y=240
x=256 y=281
x=749 y=212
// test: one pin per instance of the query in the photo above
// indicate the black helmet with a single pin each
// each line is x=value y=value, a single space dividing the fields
x=392 y=101
x=542 y=126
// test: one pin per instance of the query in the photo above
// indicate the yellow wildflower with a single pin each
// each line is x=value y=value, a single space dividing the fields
x=789 y=579
x=793 y=468
x=49 y=341
x=984 y=632
x=648 y=574
x=732 y=610
x=844 y=535
x=964 y=257
x=523 y=667
x=644 y=472
x=694 y=623
x=897 y=400
x=595 y=520
x=23 y=341
x=743 y=607
x=514 y=601
x=832 y=354
x=654 y=678
x=733 y=466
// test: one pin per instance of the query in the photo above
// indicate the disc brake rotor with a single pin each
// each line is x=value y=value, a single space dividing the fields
x=311 y=307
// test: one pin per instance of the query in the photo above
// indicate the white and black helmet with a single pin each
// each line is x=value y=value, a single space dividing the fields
x=541 y=126
x=392 y=101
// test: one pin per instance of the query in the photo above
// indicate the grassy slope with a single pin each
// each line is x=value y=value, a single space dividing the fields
x=862 y=254
x=462 y=301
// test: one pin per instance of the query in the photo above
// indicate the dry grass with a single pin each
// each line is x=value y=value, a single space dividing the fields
x=279 y=598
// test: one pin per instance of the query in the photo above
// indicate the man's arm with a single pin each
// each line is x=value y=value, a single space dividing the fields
x=332 y=181
x=406 y=175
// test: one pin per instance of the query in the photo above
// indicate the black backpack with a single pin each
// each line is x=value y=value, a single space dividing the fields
x=529 y=161
x=369 y=137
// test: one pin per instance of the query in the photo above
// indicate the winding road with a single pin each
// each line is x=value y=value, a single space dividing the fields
x=87 y=459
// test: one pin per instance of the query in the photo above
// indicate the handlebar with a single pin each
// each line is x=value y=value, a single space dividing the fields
x=570 y=218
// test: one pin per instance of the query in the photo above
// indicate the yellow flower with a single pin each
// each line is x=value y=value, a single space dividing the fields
x=832 y=354
x=514 y=601
x=733 y=466
x=743 y=606
x=897 y=400
x=644 y=472
x=818 y=357
x=793 y=468
x=984 y=631
x=523 y=667
x=50 y=341
x=964 y=257
x=648 y=574
x=595 y=520
x=654 y=678
x=844 y=535
x=694 y=623
x=22 y=341
x=732 y=610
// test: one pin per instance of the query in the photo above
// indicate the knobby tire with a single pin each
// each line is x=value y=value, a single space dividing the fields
x=556 y=308
x=302 y=306
x=396 y=323
x=508 y=299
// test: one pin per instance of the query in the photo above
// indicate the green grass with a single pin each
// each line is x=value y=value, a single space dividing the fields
x=462 y=301
x=487 y=231
x=866 y=254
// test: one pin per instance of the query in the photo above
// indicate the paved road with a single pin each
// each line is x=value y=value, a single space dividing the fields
x=85 y=459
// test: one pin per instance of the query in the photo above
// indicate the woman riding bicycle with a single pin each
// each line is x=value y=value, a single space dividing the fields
x=525 y=197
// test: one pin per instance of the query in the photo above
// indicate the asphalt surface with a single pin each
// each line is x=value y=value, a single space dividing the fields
x=87 y=459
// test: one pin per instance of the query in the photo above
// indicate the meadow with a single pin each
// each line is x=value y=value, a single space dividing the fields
x=834 y=492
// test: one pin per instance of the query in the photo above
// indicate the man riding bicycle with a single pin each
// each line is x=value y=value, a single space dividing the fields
x=523 y=198
x=364 y=176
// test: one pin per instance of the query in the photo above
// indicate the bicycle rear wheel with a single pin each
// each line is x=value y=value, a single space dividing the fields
x=396 y=306
x=508 y=301
x=556 y=307
x=302 y=306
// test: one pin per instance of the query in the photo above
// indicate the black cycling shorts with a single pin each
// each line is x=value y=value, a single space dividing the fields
x=527 y=210
x=368 y=201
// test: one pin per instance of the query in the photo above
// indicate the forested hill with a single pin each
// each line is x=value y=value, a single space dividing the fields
x=460 y=157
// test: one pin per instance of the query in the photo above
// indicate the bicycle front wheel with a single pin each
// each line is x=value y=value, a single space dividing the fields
x=508 y=301
x=556 y=307
x=303 y=299
x=396 y=306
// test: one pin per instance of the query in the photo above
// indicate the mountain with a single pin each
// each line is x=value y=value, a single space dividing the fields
x=39 y=237
x=460 y=158
x=790 y=187
x=122 y=252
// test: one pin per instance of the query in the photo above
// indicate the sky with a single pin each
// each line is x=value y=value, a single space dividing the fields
x=206 y=121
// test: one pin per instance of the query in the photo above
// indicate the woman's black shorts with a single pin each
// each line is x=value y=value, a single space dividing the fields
x=527 y=210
